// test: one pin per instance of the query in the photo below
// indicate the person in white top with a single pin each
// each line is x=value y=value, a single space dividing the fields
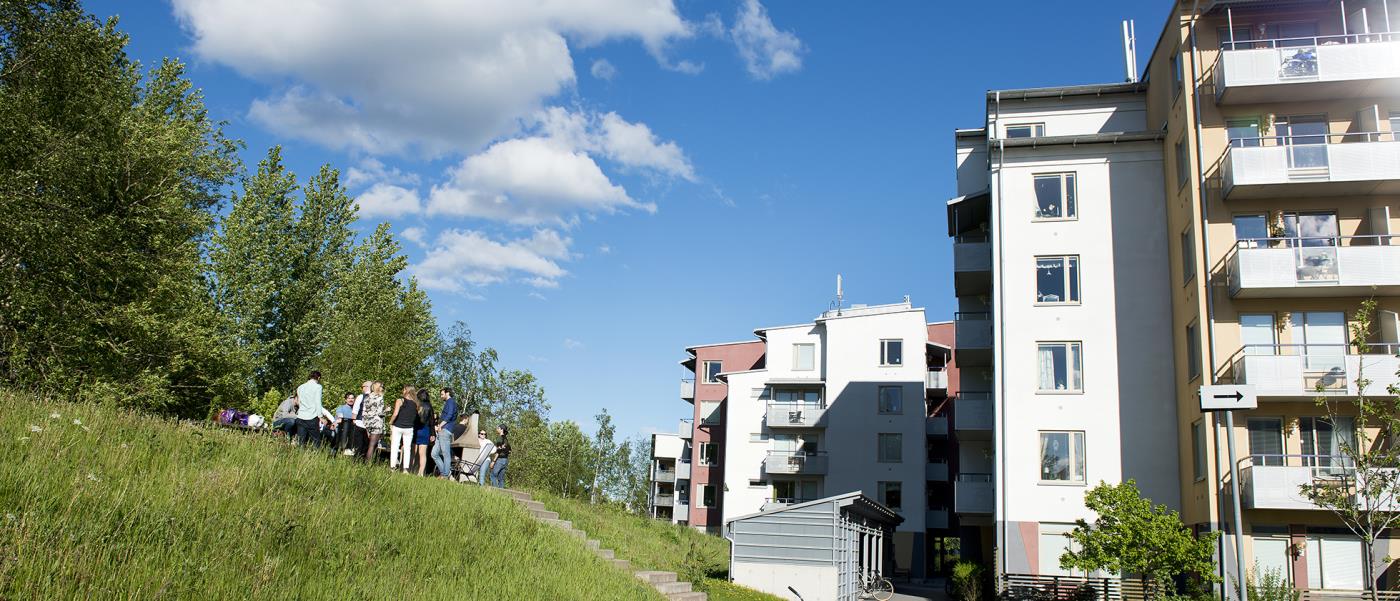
x=309 y=410
x=359 y=436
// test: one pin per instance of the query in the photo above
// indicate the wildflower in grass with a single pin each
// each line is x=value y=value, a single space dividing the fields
x=125 y=446
x=10 y=517
x=54 y=415
x=77 y=422
x=34 y=428
x=93 y=477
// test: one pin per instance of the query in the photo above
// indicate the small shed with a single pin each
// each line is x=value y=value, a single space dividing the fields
x=818 y=548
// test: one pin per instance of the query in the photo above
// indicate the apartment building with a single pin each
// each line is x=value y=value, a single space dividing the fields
x=1063 y=348
x=942 y=542
x=837 y=406
x=1281 y=183
x=669 y=498
x=706 y=391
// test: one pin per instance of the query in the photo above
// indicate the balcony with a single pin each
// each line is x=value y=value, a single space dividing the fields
x=1319 y=165
x=683 y=470
x=973 y=330
x=1303 y=69
x=937 y=380
x=936 y=471
x=936 y=426
x=795 y=463
x=1293 y=372
x=936 y=519
x=972 y=265
x=665 y=475
x=688 y=389
x=1315 y=267
x=1273 y=481
x=972 y=414
x=780 y=502
x=664 y=500
x=796 y=415
x=972 y=493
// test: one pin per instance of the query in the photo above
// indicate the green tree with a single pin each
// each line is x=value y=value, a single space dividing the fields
x=108 y=180
x=1363 y=487
x=604 y=453
x=1132 y=537
x=639 y=475
x=459 y=365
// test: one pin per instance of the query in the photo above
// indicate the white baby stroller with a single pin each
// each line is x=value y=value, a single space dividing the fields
x=468 y=468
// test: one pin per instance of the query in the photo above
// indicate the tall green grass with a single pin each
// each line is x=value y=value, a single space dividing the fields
x=650 y=544
x=102 y=503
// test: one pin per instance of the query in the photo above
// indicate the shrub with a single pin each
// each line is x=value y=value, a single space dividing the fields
x=1269 y=585
x=967 y=581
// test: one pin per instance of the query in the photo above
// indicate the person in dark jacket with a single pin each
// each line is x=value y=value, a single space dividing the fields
x=423 y=429
x=498 y=468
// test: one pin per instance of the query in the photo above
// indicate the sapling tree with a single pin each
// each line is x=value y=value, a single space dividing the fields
x=1132 y=537
x=1361 y=482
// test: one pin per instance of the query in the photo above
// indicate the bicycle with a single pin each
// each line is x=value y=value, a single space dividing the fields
x=875 y=586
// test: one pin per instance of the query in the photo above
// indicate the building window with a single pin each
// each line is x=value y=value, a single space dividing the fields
x=1057 y=280
x=1060 y=367
x=1243 y=133
x=1062 y=457
x=709 y=453
x=804 y=357
x=707 y=495
x=1025 y=130
x=1188 y=255
x=891 y=495
x=891 y=352
x=1183 y=167
x=1193 y=350
x=891 y=448
x=1395 y=126
x=712 y=371
x=1198 y=450
x=891 y=399
x=1055 y=196
x=1178 y=74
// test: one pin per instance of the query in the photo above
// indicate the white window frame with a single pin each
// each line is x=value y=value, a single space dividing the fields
x=700 y=495
x=1082 y=463
x=881 y=489
x=701 y=457
x=885 y=351
x=796 y=354
x=1074 y=349
x=1193 y=350
x=1069 y=185
x=880 y=399
x=1066 y=272
x=1037 y=130
x=880 y=447
x=705 y=372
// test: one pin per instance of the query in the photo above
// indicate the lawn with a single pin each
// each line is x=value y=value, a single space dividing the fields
x=104 y=503
x=651 y=544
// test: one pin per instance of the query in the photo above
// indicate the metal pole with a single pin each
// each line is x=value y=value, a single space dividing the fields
x=1235 y=501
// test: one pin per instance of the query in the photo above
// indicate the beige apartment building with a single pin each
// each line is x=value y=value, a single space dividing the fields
x=1282 y=176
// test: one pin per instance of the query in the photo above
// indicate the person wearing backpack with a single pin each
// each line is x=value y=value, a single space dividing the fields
x=401 y=424
x=423 y=429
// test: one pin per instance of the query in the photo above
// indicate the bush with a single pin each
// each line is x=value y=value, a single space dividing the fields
x=966 y=581
x=1269 y=585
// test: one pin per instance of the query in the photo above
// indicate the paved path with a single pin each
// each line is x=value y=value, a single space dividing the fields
x=916 y=592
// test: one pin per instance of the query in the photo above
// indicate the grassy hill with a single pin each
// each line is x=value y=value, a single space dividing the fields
x=104 y=503
x=656 y=545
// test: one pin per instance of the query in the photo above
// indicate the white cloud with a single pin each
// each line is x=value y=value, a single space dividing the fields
x=414 y=75
x=570 y=343
x=371 y=170
x=604 y=249
x=536 y=295
x=602 y=69
x=628 y=144
x=416 y=235
x=766 y=51
x=460 y=259
x=388 y=200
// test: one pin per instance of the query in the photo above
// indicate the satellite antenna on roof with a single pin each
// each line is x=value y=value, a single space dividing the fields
x=1130 y=50
x=838 y=295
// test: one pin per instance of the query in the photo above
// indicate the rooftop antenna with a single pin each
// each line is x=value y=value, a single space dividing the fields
x=838 y=295
x=1130 y=50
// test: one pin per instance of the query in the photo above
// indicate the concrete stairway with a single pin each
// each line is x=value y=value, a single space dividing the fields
x=664 y=582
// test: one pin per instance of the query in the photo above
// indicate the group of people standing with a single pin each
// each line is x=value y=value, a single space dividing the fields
x=413 y=425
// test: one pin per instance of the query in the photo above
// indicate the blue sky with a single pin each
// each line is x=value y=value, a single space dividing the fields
x=594 y=186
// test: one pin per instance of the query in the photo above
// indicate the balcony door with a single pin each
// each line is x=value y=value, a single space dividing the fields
x=1271 y=555
x=1322 y=338
x=1266 y=440
x=1257 y=333
x=794 y=491
x=1314 y=235
x=1323 y=442
x=1251 y=230
x=1305 y=136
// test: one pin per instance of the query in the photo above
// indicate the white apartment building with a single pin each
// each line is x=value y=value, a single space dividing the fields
x=837 y=407
x=670 y=475
x=1061 y=273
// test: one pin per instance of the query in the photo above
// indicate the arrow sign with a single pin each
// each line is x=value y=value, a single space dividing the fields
x=1228 y=397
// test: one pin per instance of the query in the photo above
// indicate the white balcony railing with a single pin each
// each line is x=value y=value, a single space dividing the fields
x=1247 y=69
x=1294 y=370
x=682 y=470
x=688 y=389
x=937 y=380
x=1326 y=164
x=795 y=462
x=1344 y=266
x=973 y=330
x=1275 y=481
x=796 y=415
x=972 y=411
x=972 y=493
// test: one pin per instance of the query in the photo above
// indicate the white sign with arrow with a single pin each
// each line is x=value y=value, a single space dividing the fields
x=1228 y=397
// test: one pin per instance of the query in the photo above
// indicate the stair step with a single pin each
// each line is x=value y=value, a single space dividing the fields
x=535 y=505
x=565 y=524
x=592 y=544
x=668 y=588
x=576 y=532
x=540 y=513
x=655 y=577
x=690 y=596
x=622 y=564
x=604 y=553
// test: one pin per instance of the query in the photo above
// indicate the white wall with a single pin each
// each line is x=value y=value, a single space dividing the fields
x=666 y=446
x=815 y=583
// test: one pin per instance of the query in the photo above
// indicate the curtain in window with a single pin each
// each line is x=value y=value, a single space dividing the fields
x=1266 y=441
x=1046 y=361
x=1075 y=373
